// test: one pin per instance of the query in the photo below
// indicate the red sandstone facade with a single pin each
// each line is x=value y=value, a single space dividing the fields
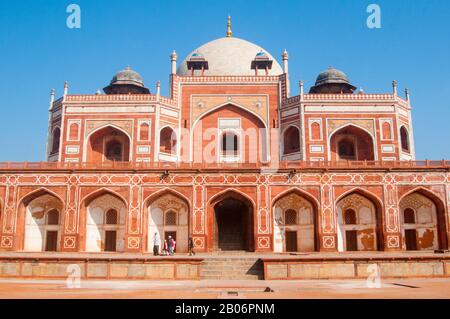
x=231 y=160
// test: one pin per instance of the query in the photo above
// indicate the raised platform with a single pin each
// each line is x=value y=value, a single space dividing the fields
x=232 y=265
x=99 y=266
x=356 y=265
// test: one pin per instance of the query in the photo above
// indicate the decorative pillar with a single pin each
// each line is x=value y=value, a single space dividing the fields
x=198 y=218
x=394 y=87
x=133 y=235
x=158 y=90
x=70 y=240
x=173 y=60
x=391 y=229
x=327 y=216
x=66 y=88
x=285 y=58
x=262 y=228
x=10 y=238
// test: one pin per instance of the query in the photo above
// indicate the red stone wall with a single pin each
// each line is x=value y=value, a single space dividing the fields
x=138 y=189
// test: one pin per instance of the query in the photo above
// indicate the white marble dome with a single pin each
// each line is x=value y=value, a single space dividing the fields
x=229 y=56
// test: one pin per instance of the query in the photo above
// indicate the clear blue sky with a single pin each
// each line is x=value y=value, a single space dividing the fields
x=38 y=52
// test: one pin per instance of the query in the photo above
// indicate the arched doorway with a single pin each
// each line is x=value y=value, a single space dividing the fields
x=295 y=223
x=167 y=141
x=404 y=139
x=359 y=223
x=42 y=222
x=108 y=144
x=248 y=141
x=351 y=143
x=233 y=222
x=168 y=215
x=291 y=140
x=105 y=223
x=422 y=217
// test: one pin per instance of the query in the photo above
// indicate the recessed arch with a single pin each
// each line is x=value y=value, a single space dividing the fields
x=369 y=217
x=362 y=139
x=260 y=124
x=230 y=103
x=154 y=196
x=231 y=221
x=40 y=231
x=291 y=139
x=25 y=199
x=87 y=199
x=304 y=236
x=440 y=213
x=168 y=140
x=158 y=206
x=404 y=139
x=100 y=234
x=56 y=140
x=127 y=153
x=362 y=192
x=299 y=192
x=231 y=192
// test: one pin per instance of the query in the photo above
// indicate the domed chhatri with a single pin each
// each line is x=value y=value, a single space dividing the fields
x=332 y=81
x=126 y=81
x=229 y=56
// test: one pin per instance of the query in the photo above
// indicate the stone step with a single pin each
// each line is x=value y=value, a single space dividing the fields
x=230 y=278
x=231 y=268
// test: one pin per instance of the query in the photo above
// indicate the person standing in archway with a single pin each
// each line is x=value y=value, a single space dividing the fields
x=156 y=244
x=171 y=244
x=191 y=246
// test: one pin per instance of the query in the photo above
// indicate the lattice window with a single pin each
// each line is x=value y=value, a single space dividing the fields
x=53 y=217
x=111 y=217
x=290 y=217
x=350 y=217
x=409 y=216
x=171 y=218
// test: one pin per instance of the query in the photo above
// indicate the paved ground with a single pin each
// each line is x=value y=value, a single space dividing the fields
x=438 y=288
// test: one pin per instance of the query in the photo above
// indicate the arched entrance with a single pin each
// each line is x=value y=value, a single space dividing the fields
x=353 y=144
x=42 y=221
x=295 y=223
x=168 y=215
x=359 y=222
x=422 y=216
x=105 y=222
x=108 y=144
x=233 y=222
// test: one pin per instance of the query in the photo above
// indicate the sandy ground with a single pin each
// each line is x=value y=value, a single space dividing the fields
x=438 y=288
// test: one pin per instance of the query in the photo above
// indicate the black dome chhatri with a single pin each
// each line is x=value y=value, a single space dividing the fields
x=127 y=82
x=332 y=81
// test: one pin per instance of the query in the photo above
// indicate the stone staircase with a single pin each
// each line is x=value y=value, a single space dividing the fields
x=231 y=242
x=231 y=268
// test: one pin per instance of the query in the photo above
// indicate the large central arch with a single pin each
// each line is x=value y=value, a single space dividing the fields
x=106 y=144
x=231 y=222
x=351 y=143
x=251 y=131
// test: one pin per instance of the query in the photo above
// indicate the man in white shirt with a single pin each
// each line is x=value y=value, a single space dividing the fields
x=156 y=244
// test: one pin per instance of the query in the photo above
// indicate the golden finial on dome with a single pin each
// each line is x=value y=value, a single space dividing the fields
x=229 y=33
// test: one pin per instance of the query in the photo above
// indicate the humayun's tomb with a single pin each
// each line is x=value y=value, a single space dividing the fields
x=321 y=183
